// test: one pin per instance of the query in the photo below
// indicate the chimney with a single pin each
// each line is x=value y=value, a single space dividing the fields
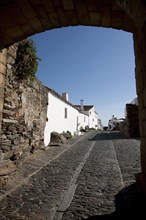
x=81 y=104
x=65 y=96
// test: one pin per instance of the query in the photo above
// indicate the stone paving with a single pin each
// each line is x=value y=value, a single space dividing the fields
x=110 y=168
x=91 y=178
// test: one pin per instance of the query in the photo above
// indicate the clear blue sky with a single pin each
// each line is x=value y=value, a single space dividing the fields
x=89 y=63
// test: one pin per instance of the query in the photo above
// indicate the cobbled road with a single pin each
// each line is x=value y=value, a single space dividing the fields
x=93 y=178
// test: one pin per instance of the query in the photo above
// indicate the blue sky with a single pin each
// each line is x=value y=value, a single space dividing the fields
x=89 y=63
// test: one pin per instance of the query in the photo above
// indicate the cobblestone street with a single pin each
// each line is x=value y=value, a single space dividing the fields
x=93 y=177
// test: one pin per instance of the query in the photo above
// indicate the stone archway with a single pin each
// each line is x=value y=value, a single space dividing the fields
x=20 y=19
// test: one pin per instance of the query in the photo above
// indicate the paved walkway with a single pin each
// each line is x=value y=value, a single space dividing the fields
x=33 y=164
x=93 y=177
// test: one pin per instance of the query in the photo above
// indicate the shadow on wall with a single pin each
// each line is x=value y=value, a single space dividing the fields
x=130 y=203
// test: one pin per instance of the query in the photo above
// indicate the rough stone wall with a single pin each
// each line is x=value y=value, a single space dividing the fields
x=140 y=75
x=3 y=60
x=124 y=128
x=24 y=114
x=132 y=121
x=130 y=125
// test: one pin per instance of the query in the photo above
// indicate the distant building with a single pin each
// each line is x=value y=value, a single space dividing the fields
x=92 y=114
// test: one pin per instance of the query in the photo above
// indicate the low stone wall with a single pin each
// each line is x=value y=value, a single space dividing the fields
x=130 y=126
x=24 y=115
x=124 y=128
x=132 y=119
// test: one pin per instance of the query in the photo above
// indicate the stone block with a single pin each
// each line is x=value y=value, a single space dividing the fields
x=2 y=68
x=116 y=20
x=73 y=18
x=10 y=121
x=140 y=19
x=94 y=18
x=1 y=93
x=27 y=9
x=27 y=29
x=128 y=25
x=4 y=51
x=11 y=52
x=15 y=33
x=6 y=167
x=139 y=83
x=82 y=12
x=93 y=5
x=144 y=127
x=8 y=155
x=105 y=16
x=3 y=58
x=54 y=19
x=2 y=80
x=48 y=5
x=142 y=115
x=36 y=24
x=1 y=104
x=63 y=17
x=68 y=5
x=1 y=114
x=144 y=97
x=140 y=101
x=141 y=130
x=132 y=119
x=43 y=17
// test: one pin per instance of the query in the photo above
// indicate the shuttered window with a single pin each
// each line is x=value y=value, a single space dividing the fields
x=65 y=113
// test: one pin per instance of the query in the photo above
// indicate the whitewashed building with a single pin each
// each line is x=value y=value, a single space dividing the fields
x=93 y=121
x=64 y=116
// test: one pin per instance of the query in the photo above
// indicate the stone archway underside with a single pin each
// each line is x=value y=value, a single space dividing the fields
x=21 y=19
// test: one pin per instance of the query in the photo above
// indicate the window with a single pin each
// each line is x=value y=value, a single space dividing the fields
x=84 y=118
x=65 y=113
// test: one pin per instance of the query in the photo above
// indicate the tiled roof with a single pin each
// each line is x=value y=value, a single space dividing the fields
x=86 y=107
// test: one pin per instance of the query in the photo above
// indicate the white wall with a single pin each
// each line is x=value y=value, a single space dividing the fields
x=83 y=120
x=92 y=118
x=56 y=120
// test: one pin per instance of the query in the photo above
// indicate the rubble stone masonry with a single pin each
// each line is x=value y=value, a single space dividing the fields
x=132 y=120
x=23 y=115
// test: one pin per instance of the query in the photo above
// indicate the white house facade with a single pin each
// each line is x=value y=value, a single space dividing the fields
x=63 y=116
x=93 y=116
x=93 y=120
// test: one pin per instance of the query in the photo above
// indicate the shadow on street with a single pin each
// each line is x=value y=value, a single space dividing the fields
x=112 y=135
x=129 y=203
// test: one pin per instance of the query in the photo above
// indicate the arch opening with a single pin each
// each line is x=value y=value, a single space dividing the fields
x=21 y=20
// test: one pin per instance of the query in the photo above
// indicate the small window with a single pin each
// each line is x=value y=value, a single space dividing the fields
x=65 y=113
x=84 y=118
